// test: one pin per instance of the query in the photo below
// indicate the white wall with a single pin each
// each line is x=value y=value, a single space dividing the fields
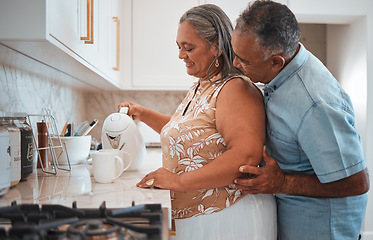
x=369 y=120
x=347 y=60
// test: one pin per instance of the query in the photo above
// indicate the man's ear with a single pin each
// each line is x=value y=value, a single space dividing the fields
x=278 y=62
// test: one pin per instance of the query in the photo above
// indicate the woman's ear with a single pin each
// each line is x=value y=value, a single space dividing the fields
x=215 y=46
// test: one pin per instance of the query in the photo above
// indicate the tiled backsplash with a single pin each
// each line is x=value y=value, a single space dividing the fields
x=30 y=86
x=36 y=89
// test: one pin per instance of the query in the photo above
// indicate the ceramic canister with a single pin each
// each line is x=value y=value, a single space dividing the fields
x=15 y=150
x=4 y=160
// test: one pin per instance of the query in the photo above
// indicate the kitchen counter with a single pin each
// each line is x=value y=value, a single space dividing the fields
x=78 y=185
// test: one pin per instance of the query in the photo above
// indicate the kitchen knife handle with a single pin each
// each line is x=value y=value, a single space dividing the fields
x=117 y=21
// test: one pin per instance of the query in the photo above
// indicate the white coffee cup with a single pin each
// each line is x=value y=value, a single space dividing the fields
x=127 y=159
x=108 y=165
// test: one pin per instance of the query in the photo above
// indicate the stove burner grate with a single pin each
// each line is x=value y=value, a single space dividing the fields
x=49 y=221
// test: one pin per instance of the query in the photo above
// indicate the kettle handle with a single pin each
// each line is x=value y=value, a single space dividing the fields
x=124 y=110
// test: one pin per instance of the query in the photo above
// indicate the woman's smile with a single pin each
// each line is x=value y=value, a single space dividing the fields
x=189 y=64
x=195 y=51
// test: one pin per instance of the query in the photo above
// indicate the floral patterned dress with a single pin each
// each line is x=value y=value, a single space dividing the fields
x=191 y=140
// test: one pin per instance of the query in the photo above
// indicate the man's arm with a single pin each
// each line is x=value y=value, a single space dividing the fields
x=271 y=180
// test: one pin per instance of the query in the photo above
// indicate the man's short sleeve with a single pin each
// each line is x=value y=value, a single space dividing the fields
x=329 y=138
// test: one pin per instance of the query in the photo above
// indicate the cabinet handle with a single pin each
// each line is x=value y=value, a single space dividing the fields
x=90 y=10
x=88 y=32
x=117 y=21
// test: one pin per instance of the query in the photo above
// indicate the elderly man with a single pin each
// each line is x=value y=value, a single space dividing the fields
x=313 y=156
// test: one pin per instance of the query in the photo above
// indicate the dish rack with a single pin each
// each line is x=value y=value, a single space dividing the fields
x=51 y=133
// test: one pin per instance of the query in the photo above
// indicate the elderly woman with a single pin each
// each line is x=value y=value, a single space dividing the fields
x=219 y=126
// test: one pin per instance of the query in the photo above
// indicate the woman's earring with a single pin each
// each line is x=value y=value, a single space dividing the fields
x=216 y=63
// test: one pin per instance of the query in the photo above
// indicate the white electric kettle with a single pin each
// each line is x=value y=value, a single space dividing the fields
x=119 y=131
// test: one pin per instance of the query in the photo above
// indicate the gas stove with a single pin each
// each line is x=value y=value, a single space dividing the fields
x=48 y=221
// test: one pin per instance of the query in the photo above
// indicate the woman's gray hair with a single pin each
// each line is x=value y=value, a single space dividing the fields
x=274 y=26
x=212 y=23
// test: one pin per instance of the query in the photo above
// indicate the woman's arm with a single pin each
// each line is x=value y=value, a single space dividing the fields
x=153 y=119
x=240 y=119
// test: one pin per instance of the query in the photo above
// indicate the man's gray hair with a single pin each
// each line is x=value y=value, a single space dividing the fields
x=275 y=27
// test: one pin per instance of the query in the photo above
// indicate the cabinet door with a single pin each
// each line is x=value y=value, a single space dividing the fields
x=155 y=62
x=73 y=23
x=110 y=19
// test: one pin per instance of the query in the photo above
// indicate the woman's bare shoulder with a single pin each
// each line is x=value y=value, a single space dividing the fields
x=243 y=85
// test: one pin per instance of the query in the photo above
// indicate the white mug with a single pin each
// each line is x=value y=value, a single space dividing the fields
x=108 y=165
x=127 y=159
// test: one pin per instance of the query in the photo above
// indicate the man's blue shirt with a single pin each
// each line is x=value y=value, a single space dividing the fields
x=311 y=130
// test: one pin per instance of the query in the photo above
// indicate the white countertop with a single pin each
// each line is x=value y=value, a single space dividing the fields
x=78 y=185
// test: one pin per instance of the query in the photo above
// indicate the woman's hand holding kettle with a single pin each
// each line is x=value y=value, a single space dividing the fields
x=153 y=119
x=134 y=110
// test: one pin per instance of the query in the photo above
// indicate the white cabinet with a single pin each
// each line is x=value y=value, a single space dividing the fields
x=78 y=37
x=151 y=57
x=110 y=20
x=151 y=54
x=74 y=24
